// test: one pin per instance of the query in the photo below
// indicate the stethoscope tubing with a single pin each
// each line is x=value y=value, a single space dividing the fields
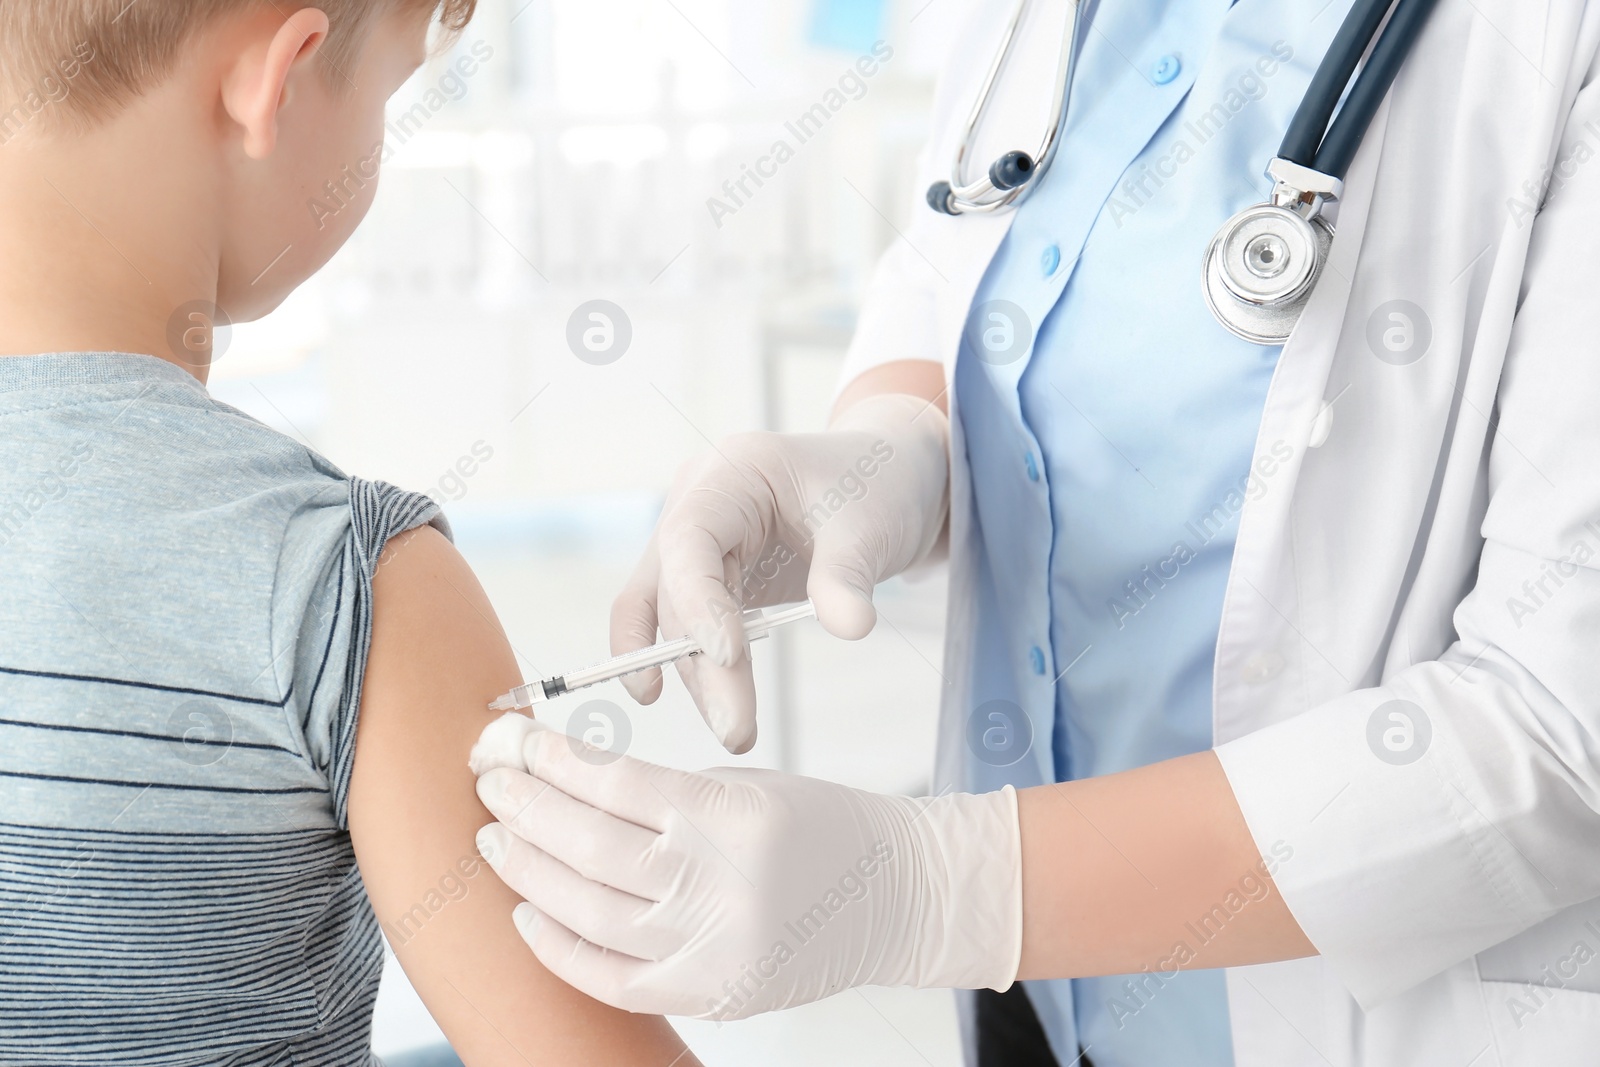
x=1310 y=141
x=1257 y=300
x=1261 y=301
x=1310 y=122
x=1349 y=129
x=970 y=197
x=980 y=106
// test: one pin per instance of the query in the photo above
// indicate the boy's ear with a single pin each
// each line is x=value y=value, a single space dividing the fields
x=259 y=85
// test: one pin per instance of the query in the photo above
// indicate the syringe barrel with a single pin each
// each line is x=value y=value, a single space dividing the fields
x=631 y=663
x=757 y=625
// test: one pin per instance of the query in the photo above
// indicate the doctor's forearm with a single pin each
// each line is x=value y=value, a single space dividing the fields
x=913 y=377
x=1151 y=869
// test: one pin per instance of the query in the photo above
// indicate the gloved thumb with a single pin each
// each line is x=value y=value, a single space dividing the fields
x=841 y=588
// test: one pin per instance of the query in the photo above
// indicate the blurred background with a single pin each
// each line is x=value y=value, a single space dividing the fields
x=566 y=152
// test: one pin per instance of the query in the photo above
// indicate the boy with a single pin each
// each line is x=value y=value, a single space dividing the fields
x=227 y=671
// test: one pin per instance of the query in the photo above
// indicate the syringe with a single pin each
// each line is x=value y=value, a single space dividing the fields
x=757 y=624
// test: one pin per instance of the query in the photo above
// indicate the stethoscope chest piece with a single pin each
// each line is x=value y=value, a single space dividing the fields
x=1261 y=269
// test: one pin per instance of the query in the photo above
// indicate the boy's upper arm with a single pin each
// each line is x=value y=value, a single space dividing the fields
x=438 y=656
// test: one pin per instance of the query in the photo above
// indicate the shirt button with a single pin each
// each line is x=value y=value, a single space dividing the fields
x=1036 y=657
x=1166 y=68
x=1033 y=467
x=1049 y=260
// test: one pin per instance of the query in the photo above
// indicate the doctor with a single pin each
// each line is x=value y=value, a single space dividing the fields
x=1306 y=633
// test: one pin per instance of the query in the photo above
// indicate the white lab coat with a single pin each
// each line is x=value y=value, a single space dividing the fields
x=1387 y=559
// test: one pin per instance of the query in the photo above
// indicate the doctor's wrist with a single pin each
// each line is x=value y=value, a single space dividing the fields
x=968 y=867
x=893 y=413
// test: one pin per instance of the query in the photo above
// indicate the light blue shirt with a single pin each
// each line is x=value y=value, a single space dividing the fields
x=1111 y=456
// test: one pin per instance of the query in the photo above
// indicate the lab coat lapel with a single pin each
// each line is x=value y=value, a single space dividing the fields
x=1261 y=593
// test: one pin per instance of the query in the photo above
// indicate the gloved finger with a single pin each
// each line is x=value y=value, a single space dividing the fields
x=695 y=540
x=610 y=977
x=726 y=697
x=841 y=582
x=634 y=618
x=599 y=913
x=642 y=793
x=599 y=846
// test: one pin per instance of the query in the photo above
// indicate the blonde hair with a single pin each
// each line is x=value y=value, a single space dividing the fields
x=92 y=55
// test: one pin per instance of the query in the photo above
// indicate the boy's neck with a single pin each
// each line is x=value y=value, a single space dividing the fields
x=105 y=241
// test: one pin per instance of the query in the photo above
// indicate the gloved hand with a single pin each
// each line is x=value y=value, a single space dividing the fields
x=771 y=519
x=733 y=892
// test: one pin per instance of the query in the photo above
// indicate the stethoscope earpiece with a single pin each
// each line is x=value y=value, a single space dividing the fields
x=939 y=198
x=1011 y=171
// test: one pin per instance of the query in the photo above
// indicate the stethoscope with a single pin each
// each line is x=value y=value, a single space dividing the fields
x=1260 y=269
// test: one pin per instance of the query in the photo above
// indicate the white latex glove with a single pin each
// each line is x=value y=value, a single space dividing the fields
x=732 y=892
x=774 y=518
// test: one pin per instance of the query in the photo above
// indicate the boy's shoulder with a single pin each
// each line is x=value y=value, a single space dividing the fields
x=192 y=530
x=164 y=532
x=139 y=440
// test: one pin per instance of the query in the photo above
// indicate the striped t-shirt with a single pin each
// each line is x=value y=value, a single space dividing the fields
x=186 y=612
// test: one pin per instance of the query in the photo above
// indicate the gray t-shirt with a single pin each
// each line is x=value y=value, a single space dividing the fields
x=185 y=606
